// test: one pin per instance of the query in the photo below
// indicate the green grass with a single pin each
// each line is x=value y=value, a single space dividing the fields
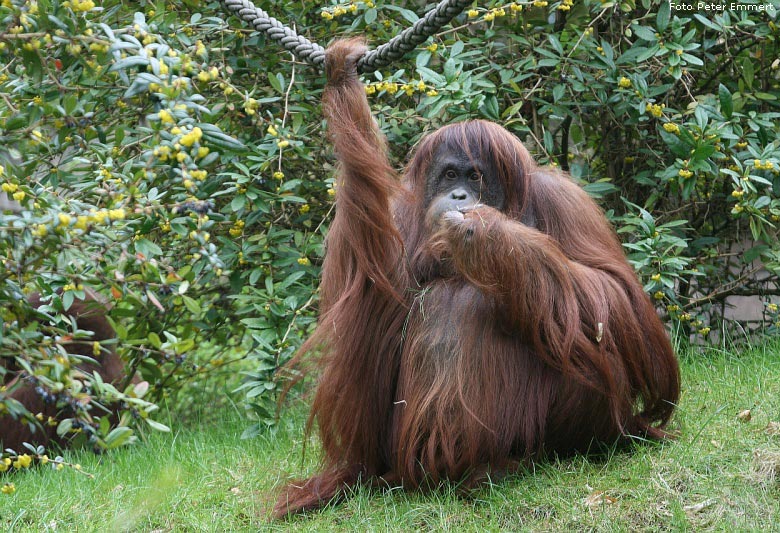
x=723 y=473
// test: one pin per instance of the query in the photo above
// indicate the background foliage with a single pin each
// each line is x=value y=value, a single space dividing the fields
x=166 y=156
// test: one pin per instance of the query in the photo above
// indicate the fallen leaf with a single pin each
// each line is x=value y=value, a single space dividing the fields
x=599 y=498
x=745 y=416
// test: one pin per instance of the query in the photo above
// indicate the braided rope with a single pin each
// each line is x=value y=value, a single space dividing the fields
x=312 y=53
x=304 y=49
x=445 y=11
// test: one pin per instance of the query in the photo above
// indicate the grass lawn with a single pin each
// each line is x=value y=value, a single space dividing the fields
x=723 y=473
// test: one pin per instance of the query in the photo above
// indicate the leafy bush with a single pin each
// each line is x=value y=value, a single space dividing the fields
x=173 y=160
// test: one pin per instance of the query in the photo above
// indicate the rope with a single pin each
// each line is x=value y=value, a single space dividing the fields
x=312 y=53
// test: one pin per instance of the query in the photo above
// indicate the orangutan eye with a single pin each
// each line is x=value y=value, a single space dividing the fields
x=451 y=175
x=475 y=176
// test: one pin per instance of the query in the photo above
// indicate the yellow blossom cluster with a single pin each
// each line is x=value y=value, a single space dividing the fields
x=655 y=109
x=238 y=229
x=671 y=127
x=304 y=261
x=624 y=82
x=391 y=87
x=208 y=75
x=250 y=106
x=192 y=137
x=772 y=308
x=82 y=222
x=494 y=14
x=340 y=11
x=8 y=488
x=737 y=193
x=79 y=5
x=566 y=5
x=685 y=173
x=762 y=165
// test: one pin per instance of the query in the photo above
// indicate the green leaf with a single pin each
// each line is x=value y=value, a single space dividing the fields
x=490 y=107
x=158 y=426
x=147 y=248
x=154 y=340
x=276 y=81
x=664 y=14
x=702 y=152
x=726 y=102
x=129 y=62
x=191 y=304
x=118 y=437
x=556 y=44
x=748 y=74
x=644 y=33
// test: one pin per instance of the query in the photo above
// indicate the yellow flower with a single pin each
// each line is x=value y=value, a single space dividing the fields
x=685 y=174
x=655 y=110
x=9 y=187
x=278 y=175
x=283 y=144
x=64 y=219
x=624 y=82
x=772 y=308
x=737 y=193
x=432 y=47
x=326 y=15
x=8 y=488
x=166 y=117
x=19 y=196
x=671 y=127
x=192 y=137
x=472 y=13
x=203 y=151
x=304 y=261
x=22 y=461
